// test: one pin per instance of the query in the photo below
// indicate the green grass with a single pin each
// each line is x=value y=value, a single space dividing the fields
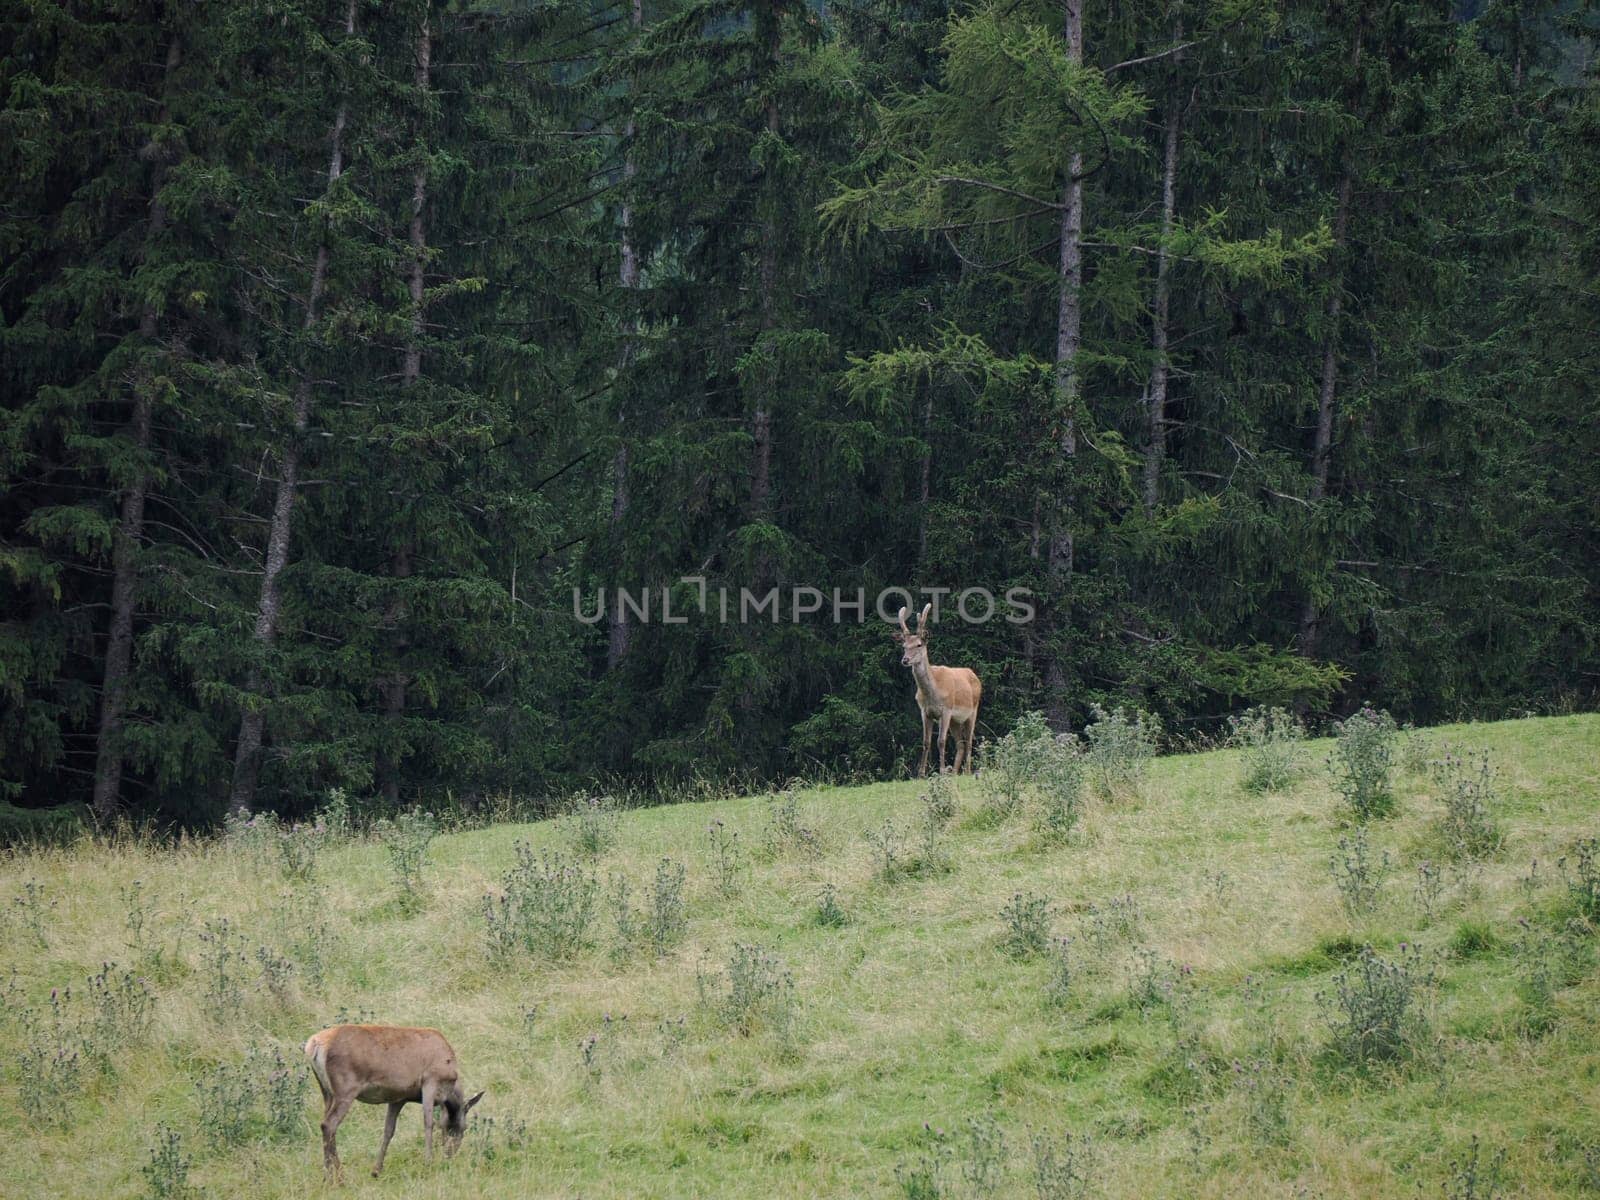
x=910 y=1012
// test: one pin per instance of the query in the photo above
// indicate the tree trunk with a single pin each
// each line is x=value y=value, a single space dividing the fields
x=620 y=632
x=1069 y=318
x=130 y=526
x=1156 y=446
x=927 y=477
x=1322 y=448
x=394 y=691
x=247 y=755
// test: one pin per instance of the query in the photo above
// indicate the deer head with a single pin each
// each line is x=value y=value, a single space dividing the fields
x=455 y=1117
x=914 y=646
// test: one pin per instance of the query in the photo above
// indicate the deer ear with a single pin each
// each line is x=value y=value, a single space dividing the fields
x=471 y=1102
x=922 y=621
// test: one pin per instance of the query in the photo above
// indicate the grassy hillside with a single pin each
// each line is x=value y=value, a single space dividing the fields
x=1188 y=1046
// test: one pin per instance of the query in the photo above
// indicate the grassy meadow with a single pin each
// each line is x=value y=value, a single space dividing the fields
x=910 y=1043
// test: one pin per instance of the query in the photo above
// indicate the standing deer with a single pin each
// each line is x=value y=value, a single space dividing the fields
x=387 y=1064
x=948 y=695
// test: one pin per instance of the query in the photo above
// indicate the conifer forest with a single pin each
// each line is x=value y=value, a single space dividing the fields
x=357 y=356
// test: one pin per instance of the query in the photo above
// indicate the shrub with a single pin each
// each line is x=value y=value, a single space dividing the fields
x=1027 y=919
x=493 y=1139
x=922 y=1177
x=1272 y=744
x=1121 y=744
x=1373 y=1006
x=121 y=1007
x=1468 y=826
x=786 y=831
x=1358 y=878
x=236 y=1098
x=1058 y=986
x=1009 y=766
x=298 y=846
x=1030 y=762
x=1117 y=920
x=624 y=917
x=31 y=908
x=1580 y=871
x=406 y=840
x=336 y=816
x=931 y=856
x=757 y=989
x=1063 y=1166
x=1362 y=763
x=830 y=913
x=1429 y=889
x=1157 y=984
x=1266 y=1099
x=1473 y=1179
x=727 y=860
x=939 y=801
x=593 y=824
x=888 y=846
x=1060 y=789
x=1546 y=962
x=983 y=1166
x=544 y=908
x=223 y=964
x=51 y=1059
x=166 y=1174
x=668 y=918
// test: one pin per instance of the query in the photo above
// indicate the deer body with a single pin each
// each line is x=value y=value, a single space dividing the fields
x=387 y=1064
x=948 y=697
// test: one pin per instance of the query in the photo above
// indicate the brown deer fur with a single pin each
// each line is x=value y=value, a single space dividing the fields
x=387 y=1064
x=947 y=696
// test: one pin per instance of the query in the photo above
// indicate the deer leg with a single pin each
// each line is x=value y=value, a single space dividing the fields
x=961 y=749
x=332 y=1116
x=972 y=733
x=944 y=732
x=927 y=744
x=427 y=1116
x=389 y=1121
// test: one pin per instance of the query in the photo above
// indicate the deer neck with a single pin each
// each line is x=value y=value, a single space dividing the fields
x=921 y=672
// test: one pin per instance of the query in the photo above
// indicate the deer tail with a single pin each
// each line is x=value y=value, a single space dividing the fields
x=316 y=1049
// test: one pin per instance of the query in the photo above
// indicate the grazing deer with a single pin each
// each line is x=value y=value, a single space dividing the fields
x=387 y=1064
x=948 y=695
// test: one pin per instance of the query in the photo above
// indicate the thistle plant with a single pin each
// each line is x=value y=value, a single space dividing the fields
x=757 y=990
x=405 y=839
x=727 y=858
x=1358 y=876
x=166 y=1173
x=593 y=824
x=1373 y=1007
x=786 y=831
x=1362 y=764
x=1027 y=924
x=544 y=907
x=668 y=918
x=1271 y=742
x=298 y=846
x=1121 y=743
x=1580 y=871
x=830 y=913
x=1467 y=786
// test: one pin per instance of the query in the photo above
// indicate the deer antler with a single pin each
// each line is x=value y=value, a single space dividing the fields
x=922 y=621
x=903 y=628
